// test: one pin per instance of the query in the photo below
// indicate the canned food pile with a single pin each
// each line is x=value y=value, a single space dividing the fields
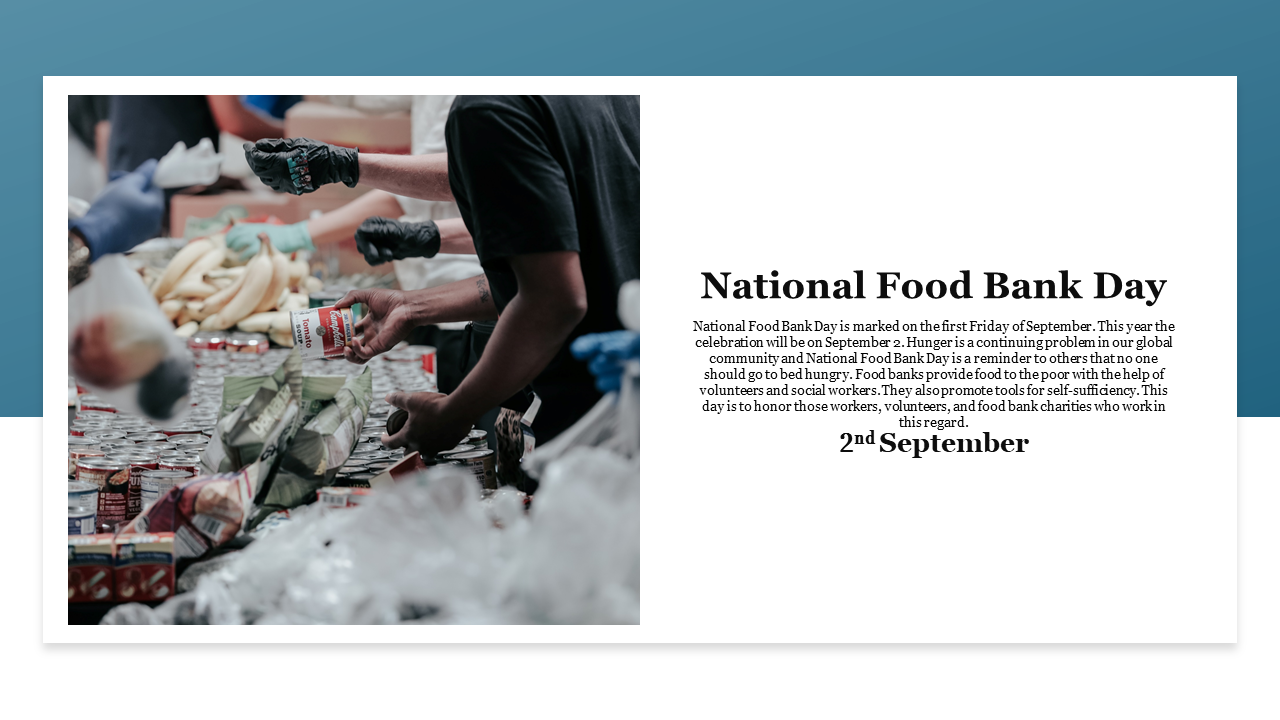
x=120 y=463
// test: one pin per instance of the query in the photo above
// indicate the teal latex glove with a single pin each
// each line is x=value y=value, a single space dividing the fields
x=243 y=238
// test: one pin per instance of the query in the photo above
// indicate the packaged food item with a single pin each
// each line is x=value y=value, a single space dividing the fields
x=322 y=332
x=207 y=341
x=147 y=437
x=251 y=343
x=144 y=566
x=82 y=496
x=157 y=483
x=196 y=441
x=140 y=462
x=115 y=446
x=93 y=402
x=481 y=464
x=456 y=450
x=112 y=480
x=478 y=439
x=80 y=427
x=105 y=434
x=82 y=521
x=321 y=446
x=80 y=447
x=181 y=463
x=205 y=512
x=183 y=429
x=240 y=435
x=90 y=568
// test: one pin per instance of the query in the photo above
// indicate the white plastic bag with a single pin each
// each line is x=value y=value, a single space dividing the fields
x=123 y=348
x=183 y=167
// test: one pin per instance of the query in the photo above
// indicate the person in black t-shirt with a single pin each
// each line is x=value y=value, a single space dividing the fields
x=549 y=188
x=145 y=127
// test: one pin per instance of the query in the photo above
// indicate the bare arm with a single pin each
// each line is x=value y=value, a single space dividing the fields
x=390 y=315
x=233 y=117
x=101 y=141
x=551 y=301
x=340 y=224
x=455 y=238
x=460 y=301
x=425 y=177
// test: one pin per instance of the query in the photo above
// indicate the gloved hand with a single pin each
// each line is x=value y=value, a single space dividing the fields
x=382 y=239
x=607 y=355
x=127 y=212
x=300 y=165
x=242 y=238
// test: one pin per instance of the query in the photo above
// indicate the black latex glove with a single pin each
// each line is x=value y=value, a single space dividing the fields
x=382 y=239
x=299 y=165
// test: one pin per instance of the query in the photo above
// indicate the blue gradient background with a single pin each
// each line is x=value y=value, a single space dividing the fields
x=659 y=37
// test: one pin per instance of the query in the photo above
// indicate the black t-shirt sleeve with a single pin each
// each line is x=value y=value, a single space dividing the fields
x=512 y=189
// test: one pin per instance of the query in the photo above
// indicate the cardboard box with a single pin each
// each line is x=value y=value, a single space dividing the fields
x=351 y=261
x=90 y=568
x=328 y=198
x=182 y=207
x=144 y=566
x=390 y=133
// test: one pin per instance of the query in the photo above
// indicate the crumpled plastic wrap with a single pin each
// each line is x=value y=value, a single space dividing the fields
x=429 y=551
x=185 y=167
x=578 y=560
x=123 y=348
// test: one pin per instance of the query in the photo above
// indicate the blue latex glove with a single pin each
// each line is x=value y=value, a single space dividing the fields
x=243 y=238
x=607 y=355
x=127 y=212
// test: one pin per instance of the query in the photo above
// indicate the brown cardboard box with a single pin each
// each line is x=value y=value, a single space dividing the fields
x=390 y=133
x=90 y=568
x=144 y=566
x=328 y=198
x=352 y=262
x=182 y=207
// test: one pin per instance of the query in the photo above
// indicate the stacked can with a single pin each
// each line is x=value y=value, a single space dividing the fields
x=155 y=484
x=82 y=508
x=111 y=477
x=140 y=461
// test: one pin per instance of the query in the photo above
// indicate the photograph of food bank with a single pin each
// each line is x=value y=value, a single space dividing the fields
x=353 y=359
